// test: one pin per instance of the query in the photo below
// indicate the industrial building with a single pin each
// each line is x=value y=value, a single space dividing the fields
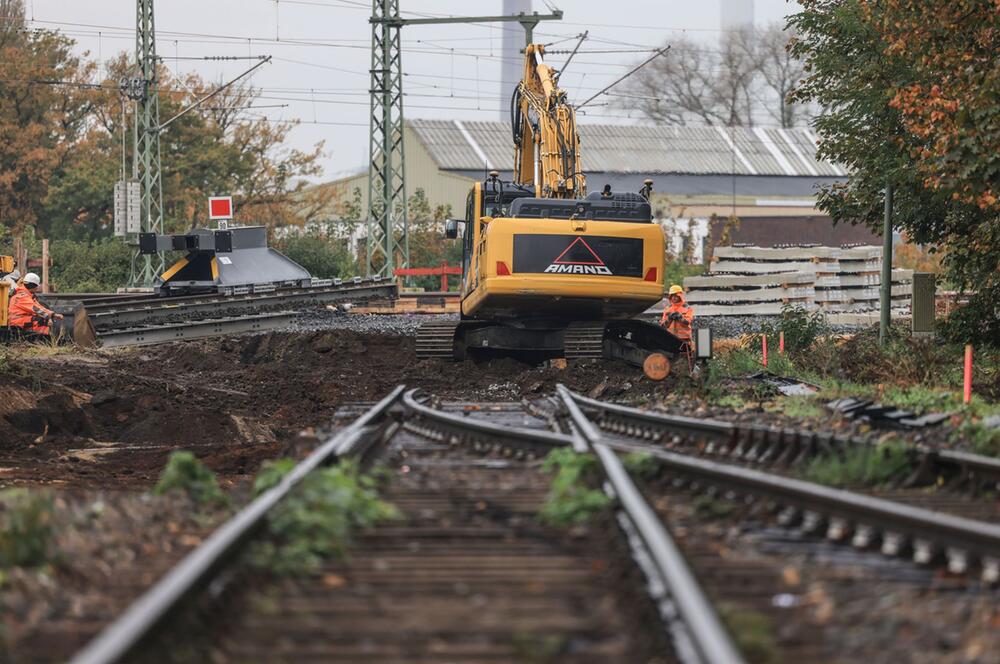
x=752 y=172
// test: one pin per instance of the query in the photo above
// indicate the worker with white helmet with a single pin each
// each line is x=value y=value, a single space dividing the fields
x=26 y=313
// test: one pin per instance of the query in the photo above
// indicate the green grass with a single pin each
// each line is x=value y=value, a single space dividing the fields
x=754 y=633
x=728 y=401
x=977 y=438
x=710 y=509
x=318 y=520
x=26 y=532
x=864 y=465
x=798 y=406
x=572 y=500
x=185 y=473
x=642 y=465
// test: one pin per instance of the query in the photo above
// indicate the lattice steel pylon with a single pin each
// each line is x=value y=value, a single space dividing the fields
x=387 y=221
x=388 y=244
x=146 y=163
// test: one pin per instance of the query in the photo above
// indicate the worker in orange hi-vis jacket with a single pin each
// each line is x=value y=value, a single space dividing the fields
x=677 y=316
x=26 y=313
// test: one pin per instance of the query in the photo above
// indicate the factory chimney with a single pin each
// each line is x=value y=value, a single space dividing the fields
x=736 y=15
x=512 y=64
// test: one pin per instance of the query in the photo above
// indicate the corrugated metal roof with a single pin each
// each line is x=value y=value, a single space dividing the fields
x=638 y=149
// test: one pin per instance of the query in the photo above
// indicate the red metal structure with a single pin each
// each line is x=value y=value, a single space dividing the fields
x=444 y=270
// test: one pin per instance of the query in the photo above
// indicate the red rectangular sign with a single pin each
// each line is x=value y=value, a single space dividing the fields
x=220 y=207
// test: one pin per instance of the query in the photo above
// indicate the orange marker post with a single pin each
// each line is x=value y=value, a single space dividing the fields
x=967 y=392
x=781 y=342
x=763 y=346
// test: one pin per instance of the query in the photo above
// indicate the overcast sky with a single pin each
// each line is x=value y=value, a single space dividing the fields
x=319 y=74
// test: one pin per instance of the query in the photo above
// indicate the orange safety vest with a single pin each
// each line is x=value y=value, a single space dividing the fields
x=679 y=328
x=25 y=312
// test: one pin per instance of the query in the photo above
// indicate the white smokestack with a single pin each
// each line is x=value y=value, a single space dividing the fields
x=736 y=14
x=512 y=66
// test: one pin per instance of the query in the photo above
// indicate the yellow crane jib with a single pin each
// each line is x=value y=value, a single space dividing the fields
x=546 y=141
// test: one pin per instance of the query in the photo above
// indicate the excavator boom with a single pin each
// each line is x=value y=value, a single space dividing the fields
x=546 y=142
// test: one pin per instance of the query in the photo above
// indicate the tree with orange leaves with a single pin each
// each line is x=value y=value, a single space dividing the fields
x=908 y=92
x=951 y=106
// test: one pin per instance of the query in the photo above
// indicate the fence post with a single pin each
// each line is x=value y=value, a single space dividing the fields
x=967 y=391
x=45 y=265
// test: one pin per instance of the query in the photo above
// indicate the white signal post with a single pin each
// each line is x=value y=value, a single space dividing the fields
x=220 y=208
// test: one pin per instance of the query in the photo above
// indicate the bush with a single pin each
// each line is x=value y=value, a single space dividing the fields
x=571 y=500
x=675 y=271
x=90 y=267
x=801 y=329
x=185 y=473
x=317 y=520
x=25 y=528
x=323 y=258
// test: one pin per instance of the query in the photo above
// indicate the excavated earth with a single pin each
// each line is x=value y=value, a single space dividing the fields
x=109 y=419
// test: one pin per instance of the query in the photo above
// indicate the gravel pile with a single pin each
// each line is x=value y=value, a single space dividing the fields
x=728 y=327
x=723 y=327
x=390 y=324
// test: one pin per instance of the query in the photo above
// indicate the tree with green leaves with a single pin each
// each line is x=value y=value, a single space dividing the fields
x=869 y=80
x=428 y=246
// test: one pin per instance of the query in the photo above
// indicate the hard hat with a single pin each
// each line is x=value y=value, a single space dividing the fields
x=15 y=275
x=675 y=290
x=32 y=278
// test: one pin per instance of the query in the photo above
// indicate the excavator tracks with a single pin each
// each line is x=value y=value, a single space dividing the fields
x=437 y=340
x=584 y=341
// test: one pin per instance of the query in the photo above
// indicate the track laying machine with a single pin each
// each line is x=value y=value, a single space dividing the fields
x=548 y=270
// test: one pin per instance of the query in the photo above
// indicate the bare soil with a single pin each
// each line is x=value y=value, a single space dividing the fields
x=110 y=419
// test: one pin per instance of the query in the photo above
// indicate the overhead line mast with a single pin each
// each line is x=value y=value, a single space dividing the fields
x=387 y=221
x=146 y=161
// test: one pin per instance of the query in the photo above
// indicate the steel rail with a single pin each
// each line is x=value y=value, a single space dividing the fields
x=110 y=314
x=771 y=443
x=956 y=536
x=150 y=610
x=195 y=329
x=453 y=428
x=708 y=637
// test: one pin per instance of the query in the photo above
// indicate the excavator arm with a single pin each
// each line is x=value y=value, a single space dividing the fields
x=546 y=142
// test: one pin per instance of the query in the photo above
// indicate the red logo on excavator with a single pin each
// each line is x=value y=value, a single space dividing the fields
x=578 y=258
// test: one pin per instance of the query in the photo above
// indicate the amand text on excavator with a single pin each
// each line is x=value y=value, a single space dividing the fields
x=548 y=270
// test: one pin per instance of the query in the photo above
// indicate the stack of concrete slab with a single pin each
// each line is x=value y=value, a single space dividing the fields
x=749 y=294
x=747 y=281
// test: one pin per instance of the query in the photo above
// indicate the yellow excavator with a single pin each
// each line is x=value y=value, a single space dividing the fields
x=548 y=270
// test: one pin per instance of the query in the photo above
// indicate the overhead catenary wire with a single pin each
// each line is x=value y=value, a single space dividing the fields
x=645 y=62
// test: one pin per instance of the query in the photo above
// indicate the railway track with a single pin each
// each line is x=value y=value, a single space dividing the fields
x=144 y=319
x=470 y=574
x=931 y=530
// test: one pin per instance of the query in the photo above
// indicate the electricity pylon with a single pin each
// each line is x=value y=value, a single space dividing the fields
x=146 y=161
x=387 y=221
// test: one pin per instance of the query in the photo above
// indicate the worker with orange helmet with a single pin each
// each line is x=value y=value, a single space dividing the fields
x=26 y=313
x=677 y=315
